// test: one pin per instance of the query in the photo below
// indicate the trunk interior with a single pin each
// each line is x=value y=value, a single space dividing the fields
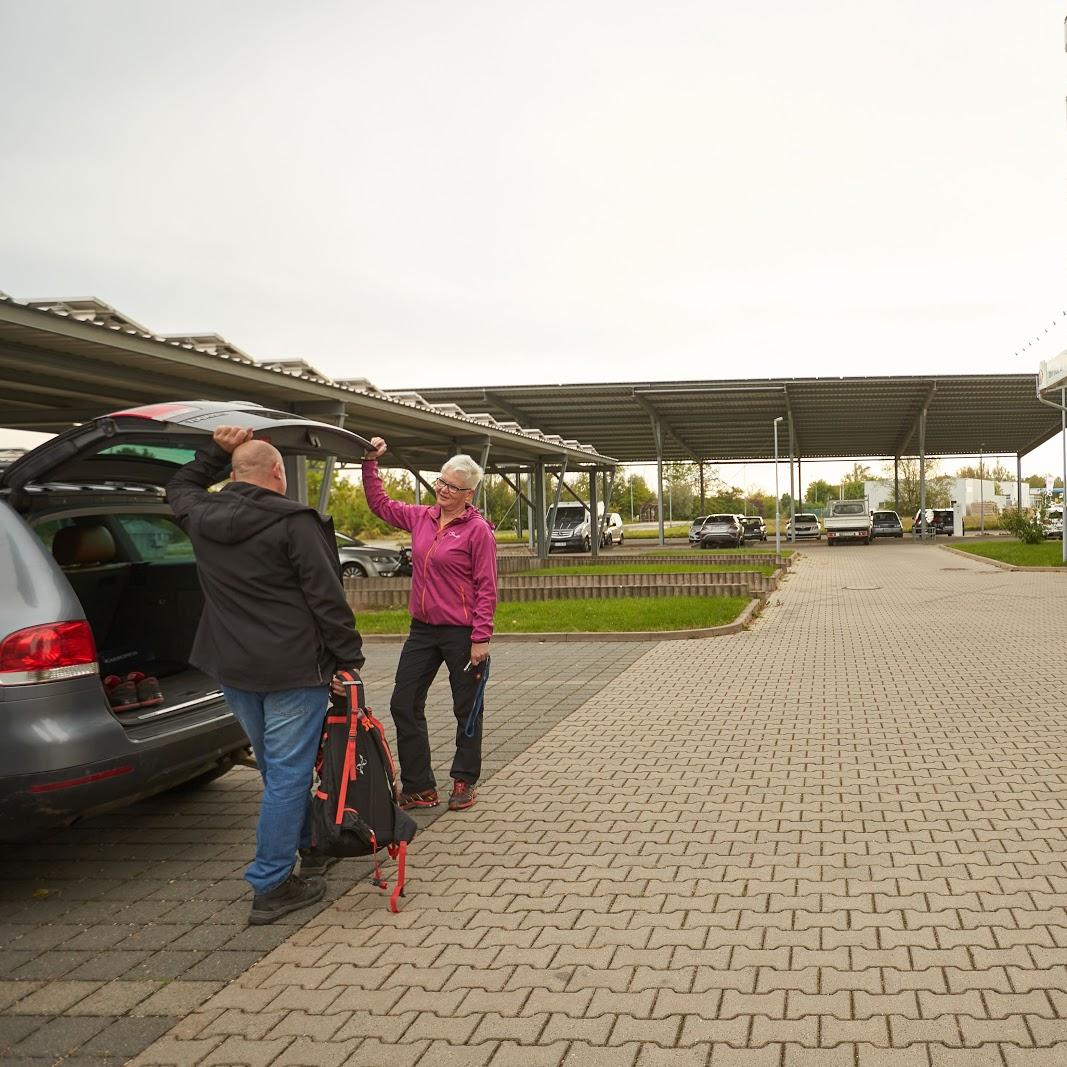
x=144 y=617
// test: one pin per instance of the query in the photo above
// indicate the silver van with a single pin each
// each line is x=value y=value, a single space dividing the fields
x=97 y=580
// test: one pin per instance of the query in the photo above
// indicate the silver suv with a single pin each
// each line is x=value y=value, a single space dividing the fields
x=97 y=581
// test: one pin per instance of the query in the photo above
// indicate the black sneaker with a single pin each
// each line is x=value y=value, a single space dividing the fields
x=295 y=892
x=315 y=864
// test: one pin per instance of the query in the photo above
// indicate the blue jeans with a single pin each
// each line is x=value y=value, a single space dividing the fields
x=284 y=728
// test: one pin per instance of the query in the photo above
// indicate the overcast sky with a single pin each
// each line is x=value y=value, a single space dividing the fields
x=494 y=191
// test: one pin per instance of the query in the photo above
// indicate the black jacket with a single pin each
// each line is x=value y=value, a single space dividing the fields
x=275 y=615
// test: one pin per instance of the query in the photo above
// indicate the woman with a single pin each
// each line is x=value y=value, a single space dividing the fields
x=453 y=598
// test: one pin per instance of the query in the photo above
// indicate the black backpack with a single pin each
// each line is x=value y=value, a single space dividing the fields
x=354 y=809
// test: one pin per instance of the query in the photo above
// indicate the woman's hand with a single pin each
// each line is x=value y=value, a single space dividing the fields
x=379 y=446
x=479 y=653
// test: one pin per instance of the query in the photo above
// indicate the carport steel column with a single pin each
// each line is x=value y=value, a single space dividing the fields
x=657 y=432
x=792 y=490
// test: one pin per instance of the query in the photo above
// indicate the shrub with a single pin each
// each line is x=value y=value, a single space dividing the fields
x=1027 y=528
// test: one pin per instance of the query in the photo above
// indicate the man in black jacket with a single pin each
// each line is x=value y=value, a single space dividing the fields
x=275 y=629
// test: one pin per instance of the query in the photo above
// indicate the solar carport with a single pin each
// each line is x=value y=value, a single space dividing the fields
x=821 y=418
x=64 y=362
x=67 y=361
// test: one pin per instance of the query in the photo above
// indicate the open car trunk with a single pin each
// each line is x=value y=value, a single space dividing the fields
x=94 y=495
x=144 y=617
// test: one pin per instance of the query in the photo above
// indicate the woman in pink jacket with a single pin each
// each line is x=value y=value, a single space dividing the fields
x=453 y=599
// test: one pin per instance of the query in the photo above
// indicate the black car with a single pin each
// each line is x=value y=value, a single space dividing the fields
x=938 y=521
x=886 y=524
x=98 y=583
x=755 y=529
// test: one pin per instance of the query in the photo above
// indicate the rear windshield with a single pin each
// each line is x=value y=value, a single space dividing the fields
x=177 y=456
x=849 y=509
x=721 y=518
x=885 y=516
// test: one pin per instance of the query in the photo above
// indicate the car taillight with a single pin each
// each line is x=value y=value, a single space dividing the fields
x=45 y=653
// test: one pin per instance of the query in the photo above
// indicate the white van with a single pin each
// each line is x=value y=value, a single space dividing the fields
x=569 y=527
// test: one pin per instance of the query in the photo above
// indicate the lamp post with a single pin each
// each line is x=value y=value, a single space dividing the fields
x=777 y=498
x=981 y=484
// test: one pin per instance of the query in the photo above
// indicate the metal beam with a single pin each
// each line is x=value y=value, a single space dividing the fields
x=516 y=414
x=515 y=488
x=901 y=448
x=399 y=456
x=665 y=425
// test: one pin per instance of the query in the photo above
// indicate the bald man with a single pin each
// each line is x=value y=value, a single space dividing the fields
x=274 y=630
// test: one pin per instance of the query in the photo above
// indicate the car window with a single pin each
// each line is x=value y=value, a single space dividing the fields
x=722 y=518
x=699 y=519
x=806 y=518
x=344 y=541
x=157 y=538
x=849 y=509
x=178 y=456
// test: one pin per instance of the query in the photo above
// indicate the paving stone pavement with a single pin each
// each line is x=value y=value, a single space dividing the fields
x=835 y=839
x=114 y=931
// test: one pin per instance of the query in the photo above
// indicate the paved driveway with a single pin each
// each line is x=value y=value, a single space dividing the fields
x=113 y=931
x=836 y=839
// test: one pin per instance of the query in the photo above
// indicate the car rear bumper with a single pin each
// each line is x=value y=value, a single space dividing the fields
x=90 y=761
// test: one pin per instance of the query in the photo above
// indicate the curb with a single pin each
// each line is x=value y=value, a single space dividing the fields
x=1001 y=564
x=740 y=623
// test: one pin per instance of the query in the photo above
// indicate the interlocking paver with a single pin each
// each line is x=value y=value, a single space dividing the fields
x=803 y=857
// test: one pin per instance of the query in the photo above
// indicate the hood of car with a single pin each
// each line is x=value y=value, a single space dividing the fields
x=146 y=445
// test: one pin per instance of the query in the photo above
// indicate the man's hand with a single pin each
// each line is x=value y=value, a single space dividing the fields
x=229 y=437
x=337 y=687
x=379 y=446
x=479 y=653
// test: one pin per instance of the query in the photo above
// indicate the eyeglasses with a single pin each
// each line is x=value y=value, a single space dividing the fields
x=442 y=484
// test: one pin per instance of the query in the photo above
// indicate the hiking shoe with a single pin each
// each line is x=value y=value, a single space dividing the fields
x=121 y=693
x=148 y=691
x=428 y=798
x=295 y=892
x=463 y=796
x=313 y=864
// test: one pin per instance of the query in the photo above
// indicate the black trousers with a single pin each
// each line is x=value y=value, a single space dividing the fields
x=426 y=648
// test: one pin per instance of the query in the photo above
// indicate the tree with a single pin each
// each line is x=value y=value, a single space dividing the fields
x=347 y=504
x=819 y=491
x=853 y=482
x=938 y=486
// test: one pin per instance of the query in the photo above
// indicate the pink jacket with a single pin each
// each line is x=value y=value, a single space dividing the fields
x=453 y=579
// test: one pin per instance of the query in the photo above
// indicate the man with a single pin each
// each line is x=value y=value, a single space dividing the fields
x=275 y=629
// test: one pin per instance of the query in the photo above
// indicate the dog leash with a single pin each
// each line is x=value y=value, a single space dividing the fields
x=481 y=679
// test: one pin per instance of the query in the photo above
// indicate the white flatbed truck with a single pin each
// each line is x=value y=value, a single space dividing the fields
x=847 y=520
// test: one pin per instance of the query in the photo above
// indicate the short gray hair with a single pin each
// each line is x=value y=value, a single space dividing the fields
x=468 y=470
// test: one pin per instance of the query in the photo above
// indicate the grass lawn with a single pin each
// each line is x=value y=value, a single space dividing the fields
x=655 y=568
x=1047 y=554
x=568 y=616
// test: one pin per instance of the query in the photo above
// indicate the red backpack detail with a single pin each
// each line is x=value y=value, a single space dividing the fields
x=354 y=809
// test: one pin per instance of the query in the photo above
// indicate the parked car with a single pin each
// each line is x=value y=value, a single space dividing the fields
x=886 y=524
x=612 y=533
x=807 y=525
x=1053 y=524
x=694 y=529
x=101 y=581
x=755 y=529
x=360 y=560
x=938 y=521
x=722 y=530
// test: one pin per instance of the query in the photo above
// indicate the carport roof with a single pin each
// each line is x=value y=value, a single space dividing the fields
x=833 y=418
x=68 y=361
